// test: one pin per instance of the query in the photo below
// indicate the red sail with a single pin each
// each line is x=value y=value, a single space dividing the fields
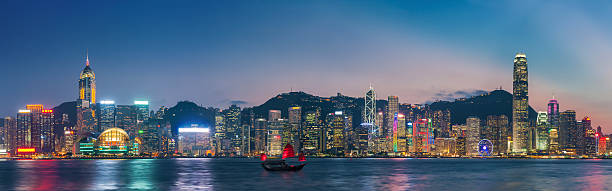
x=263 y=157
x=288 y=151
x=301 y=158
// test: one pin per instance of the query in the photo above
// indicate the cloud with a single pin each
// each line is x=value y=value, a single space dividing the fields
x=233 y=102
x=451 y=96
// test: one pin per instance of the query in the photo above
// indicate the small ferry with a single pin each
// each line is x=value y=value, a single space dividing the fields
x=281 y=164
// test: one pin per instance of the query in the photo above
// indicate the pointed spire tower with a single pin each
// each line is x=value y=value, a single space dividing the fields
x=87 y=83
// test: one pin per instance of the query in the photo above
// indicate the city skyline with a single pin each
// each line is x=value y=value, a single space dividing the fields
x=338 y=68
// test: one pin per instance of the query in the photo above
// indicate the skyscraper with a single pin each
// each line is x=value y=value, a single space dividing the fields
x=473 y=135
x=369 y=118
x=313 y=132
x=107 y=115
x=295 y=123
x=233 y=128
x=520 y=104
x=260 y=135
x=542 y=130
x=274 y=115
x=501 y=133
x=392 y=111
x=553 y=122
x=126 y=119
x=567 y=129
x=87 y=84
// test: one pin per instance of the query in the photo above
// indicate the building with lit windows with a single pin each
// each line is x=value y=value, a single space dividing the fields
x=313 y=129
x=543 y=132
x=233 y=130
x=567 y=130
x=274 y=144
x=260 y=135
x=392 y=111
x=553 y=121
x=295 y=127
x=194 y=141
x=107 y=114
x=520 y=105
x=126 y=119
x=473 y=136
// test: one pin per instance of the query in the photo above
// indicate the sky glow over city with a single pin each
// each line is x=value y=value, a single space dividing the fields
x=217 y=53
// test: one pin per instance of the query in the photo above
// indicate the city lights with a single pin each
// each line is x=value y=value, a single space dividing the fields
x=141 y=102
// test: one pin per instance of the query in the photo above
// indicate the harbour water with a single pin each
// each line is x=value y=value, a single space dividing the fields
x=319 y=174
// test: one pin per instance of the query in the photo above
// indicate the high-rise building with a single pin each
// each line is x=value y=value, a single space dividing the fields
x=23 y=136
x=35 y=130
x=274 y=144
x=520 y=105
x=369 y=118
x=4 y=137
x=274 y=115
x=501 y=133
x=126 y=116
x=87 y=84
x=567 y=130
x=107 y=115
x=142 y=110
x=542 y=132
x=295 y=123
x=335 y=135
x=312 y=141
x=260 y=135
x=473 y=135
x=220 y=142
x=401 y=134
x=233 y=130
x=553 y=121
x=392 y=111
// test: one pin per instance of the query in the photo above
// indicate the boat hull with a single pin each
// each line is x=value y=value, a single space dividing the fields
x=283 y=168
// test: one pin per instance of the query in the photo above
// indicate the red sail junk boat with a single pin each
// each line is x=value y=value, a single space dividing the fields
x=281 y=165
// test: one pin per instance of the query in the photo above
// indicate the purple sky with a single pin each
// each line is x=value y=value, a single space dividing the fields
x=216 y=52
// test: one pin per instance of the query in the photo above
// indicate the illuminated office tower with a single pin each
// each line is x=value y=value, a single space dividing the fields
x=142 y=116
x=553 y=121
x=520 y=105
x=381 y=141
x=233 y=129
x=23 y=134
x=401 y=134
x=274 y=145
x=126 y=116
x=194 y=140
x=542 y=130
x=361 y=138
x=107 y=115
x=441 y=122
x=369 y=119
x=501 y=133
x=260 y=135
x=335 y=135
x=295 y=123
x=422 y=136
x=87 y=84
x=312 y=142
x=567 y=129
x=46 y=132
x=221 y=144
x=142 y=110
x=4 y=145
x=274 y=115
x=473 y=136
x=392 y=111
x=581 y=128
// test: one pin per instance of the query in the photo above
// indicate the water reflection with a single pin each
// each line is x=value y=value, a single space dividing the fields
x=319 y=174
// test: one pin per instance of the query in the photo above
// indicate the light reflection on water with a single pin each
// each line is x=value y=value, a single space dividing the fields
x=319 y=174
